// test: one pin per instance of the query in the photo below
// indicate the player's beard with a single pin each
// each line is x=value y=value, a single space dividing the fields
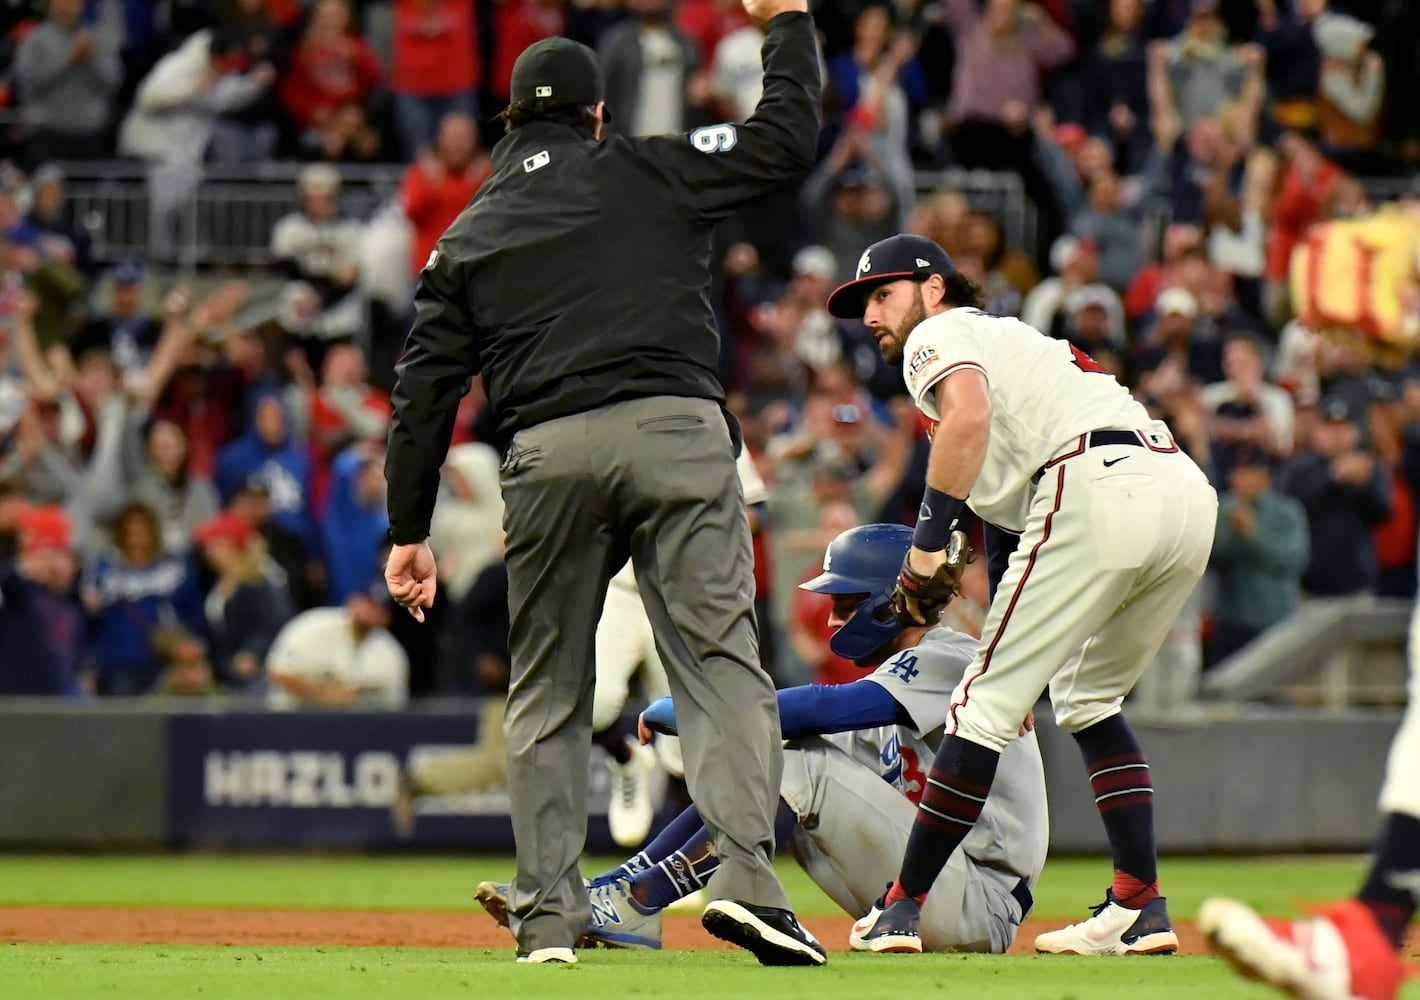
x=893 y=344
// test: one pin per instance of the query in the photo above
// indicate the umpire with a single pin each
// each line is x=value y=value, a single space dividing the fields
x=577 y=283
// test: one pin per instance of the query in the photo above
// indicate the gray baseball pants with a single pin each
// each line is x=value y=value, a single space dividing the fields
x=653 y=479
x=852 y=832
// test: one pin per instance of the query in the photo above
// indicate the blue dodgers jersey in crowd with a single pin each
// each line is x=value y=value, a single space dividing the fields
x=137 y=599
x=352 y=531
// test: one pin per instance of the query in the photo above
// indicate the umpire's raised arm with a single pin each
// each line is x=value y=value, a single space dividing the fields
x=724 y=166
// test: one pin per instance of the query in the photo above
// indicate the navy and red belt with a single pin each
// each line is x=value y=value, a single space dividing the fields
x=1097 y=439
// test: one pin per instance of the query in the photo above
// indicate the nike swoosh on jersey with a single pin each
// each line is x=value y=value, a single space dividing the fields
x=1114 y=461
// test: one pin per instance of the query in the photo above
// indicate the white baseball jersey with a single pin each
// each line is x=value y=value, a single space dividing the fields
x=1044 y=392
x=321 y=645
x=1014 y=829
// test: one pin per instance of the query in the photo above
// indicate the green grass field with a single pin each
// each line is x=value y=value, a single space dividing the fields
x=421 y=883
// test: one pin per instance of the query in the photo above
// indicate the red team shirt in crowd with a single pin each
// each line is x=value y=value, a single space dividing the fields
x=517 y=24
x=324 y=76
x=435 y=48
x=705 y=22
x=431 y=205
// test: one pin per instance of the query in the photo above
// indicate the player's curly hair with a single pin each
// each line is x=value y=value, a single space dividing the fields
x=520 y=113
x=962 y=291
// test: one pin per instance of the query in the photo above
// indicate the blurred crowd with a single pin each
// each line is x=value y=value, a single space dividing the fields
x=191 y=480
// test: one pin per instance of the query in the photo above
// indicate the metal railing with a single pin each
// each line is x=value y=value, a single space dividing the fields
x=227 y=220
x=998 y=192
x=231 y=213
x=229 y=217
x=1332 y=652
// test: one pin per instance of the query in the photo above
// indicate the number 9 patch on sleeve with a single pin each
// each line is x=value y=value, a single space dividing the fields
x=714 y=138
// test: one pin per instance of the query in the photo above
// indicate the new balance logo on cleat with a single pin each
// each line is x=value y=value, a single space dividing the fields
x=603 y=911
x=617 y=922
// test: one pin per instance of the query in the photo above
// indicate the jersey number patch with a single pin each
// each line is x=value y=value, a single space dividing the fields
x=1086 y=363
x=914 y=782
x=714 y=138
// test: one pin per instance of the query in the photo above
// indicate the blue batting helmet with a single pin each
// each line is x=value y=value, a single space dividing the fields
x=864 y=560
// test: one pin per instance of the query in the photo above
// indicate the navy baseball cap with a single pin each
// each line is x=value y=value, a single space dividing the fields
x=128 y=271
x=915 y=258
x=1337 y=409
x=1253 y=456
x=558 y=70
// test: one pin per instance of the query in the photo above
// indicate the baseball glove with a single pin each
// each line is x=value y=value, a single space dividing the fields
x=932 y=593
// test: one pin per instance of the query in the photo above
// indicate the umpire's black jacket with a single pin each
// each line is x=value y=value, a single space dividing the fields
x=579 y=273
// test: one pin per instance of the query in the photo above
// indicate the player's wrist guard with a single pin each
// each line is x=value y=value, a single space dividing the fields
x=936 y=519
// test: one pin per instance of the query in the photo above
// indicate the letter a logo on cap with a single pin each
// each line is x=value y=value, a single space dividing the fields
x=543 y=91
x=864 y=264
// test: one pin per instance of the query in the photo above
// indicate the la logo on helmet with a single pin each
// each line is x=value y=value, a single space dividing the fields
x=864 y=263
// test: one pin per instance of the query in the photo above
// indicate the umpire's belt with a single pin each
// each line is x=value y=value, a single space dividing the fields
x=1021 y=894
x=1160 y=442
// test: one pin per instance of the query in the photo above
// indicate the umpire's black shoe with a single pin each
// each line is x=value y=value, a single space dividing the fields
x=895 y=929
x=773 y=936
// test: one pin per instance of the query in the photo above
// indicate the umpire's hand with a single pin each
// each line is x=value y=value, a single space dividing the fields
x=410 y=575
x=761 y=12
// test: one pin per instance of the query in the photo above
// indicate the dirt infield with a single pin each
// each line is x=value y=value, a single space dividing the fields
x=312 y=928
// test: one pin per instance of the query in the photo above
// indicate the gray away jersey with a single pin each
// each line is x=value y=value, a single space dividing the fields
x=1014 y=830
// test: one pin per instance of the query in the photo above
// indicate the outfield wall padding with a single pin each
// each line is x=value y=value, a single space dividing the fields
x=140 y=775
x=80 y=778
x=1264 y=781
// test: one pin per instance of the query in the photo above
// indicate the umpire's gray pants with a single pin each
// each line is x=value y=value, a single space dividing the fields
x=653 y=479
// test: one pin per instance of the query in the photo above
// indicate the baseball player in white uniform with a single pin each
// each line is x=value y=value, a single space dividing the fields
x=626 y=645
x=852 y=776
x=1115 y=525
x=1352 y=949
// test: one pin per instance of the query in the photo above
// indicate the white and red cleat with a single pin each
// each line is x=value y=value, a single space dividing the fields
x=1339 y=954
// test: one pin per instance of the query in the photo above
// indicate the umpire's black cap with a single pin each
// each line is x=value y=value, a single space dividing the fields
x=903 y=256
x=558 y=70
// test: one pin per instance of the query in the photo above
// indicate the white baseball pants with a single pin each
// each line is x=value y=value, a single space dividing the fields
x=1400 y=793
x=626 y=644
x=1116 y=539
